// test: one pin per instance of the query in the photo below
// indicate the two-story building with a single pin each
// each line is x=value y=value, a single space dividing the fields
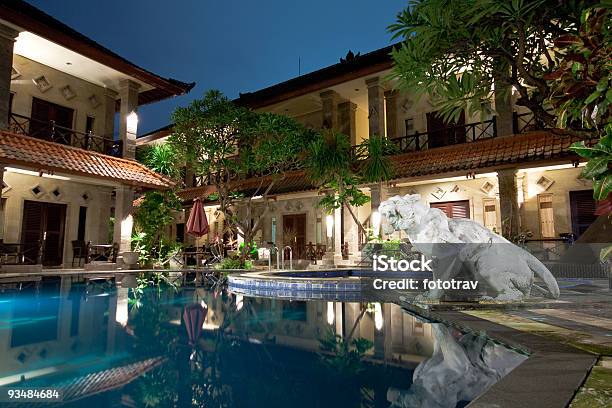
x=65 y=169
x=502 y=171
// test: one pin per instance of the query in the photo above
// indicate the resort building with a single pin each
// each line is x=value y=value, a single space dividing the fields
x=65 y=169
x=502 y=170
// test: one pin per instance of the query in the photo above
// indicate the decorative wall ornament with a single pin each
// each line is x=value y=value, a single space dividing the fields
x=406 y=105
x=456 y=189
x=56 y=193
x=438 y=193
x=37 y=191
x=42 y=83
x=86 y=197
x=94 y=101
x=544 y=183
x=5 y=187
x=299 y=205
x=14 y=73
x=487 y=187
x=67 y=92
x=289 y=206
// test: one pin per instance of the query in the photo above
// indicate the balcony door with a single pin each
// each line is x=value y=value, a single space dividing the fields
x=44 y=223
x=444 y=134
x=43 y=113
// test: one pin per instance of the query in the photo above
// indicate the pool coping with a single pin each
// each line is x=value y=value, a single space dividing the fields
x=535 y=382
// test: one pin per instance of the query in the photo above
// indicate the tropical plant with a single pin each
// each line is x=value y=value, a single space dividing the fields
x=162 y=158
x=338 y=171
x=230 y=144
x=460 y=52
x=344 y=356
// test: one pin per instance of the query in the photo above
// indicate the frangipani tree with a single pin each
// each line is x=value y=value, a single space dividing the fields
x=459 y=51
x=228 y=144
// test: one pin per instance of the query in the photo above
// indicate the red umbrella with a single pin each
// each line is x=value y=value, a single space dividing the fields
x=197 y=224
x=193 y=316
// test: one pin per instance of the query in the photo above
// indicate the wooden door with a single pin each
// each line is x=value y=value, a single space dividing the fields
x=44 y=223
x=454 y=209
x=294 y=234
x=444 y=134
x=43 y=113
x=547 y=216
x=490 y=213
x=582 y=207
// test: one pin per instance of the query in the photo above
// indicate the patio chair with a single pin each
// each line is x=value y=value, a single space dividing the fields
x=79 y=251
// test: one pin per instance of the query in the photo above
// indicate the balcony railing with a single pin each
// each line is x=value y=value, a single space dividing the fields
x=54 y=133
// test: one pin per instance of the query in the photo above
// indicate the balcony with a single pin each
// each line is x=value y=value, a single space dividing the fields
x=49 y=131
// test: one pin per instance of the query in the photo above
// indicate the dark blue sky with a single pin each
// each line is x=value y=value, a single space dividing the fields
x=231 y=45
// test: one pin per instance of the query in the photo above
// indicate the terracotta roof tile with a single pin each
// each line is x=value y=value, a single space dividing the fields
x=467 y=157
x=50 y=157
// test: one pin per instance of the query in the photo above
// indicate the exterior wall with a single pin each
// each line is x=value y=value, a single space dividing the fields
x=459 y=190
x=24 y=90
x=98 y=205
x=564 y=181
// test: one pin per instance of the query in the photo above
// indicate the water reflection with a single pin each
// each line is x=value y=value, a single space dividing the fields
x=167 y=347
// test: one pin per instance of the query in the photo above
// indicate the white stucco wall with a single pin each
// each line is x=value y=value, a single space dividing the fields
x=24 y=90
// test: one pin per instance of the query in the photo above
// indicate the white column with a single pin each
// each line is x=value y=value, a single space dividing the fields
x=110 y=98
x=7 y=40
x=128 y=93
x=123 y=217
x=337 y=235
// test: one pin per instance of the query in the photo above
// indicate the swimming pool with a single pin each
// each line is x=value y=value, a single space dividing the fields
x=100 y=344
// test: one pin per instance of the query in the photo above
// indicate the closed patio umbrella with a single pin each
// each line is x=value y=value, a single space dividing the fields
x=197 y=224
x=193 y=317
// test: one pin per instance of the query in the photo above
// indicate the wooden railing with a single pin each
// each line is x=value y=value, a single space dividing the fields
x=52 y=132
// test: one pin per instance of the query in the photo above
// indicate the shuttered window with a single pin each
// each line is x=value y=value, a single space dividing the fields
x=454 y=209
x=583 y=207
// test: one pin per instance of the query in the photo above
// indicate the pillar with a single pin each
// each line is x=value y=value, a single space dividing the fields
x=128 y=92
x=329 y=109
x=508 y=202
x=1 y=206
x=123 y=217
x=337 y=235
x=503 y=108
x=376 y=107
x=346 y=120
x=351 y=231
x=392 y=115
x=7 y=40
x=110 y=98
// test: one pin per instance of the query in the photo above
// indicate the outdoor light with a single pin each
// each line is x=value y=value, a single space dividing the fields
x=375 y=217
x=378 y=317
x=329 y=223
x=132 y=122
x=330 y=313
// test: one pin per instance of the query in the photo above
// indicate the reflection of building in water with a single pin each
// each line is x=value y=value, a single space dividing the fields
x=50 y=326
x=397 y=336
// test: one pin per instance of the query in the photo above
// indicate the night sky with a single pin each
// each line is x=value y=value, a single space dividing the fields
x=230 y=45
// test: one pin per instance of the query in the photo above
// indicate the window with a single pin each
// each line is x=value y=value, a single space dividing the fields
x=82 y=223
x=454 y=209
x=582 y=207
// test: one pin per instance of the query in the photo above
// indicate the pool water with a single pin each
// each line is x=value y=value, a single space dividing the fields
x=101 y=344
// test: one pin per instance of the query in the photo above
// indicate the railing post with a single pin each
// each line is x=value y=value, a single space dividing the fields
x=417 y=140
x=494 y=121
x=515 y=124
